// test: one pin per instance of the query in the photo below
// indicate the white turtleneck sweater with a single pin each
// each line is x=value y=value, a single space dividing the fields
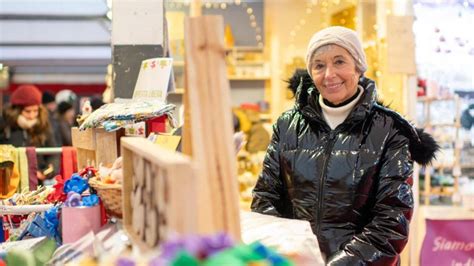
x=334 y=116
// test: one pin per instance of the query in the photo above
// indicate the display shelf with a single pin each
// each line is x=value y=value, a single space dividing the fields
x=438 y=193
x=431 y=98
x=442 y=166
x=178 y=63
x=177 y=91
x=245 y=48
x=456 y=125
x=467 y=165
x=456 y=151
x=248 y=78
x=250 y=63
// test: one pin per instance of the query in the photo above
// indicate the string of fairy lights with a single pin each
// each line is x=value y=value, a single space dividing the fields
x=222 y=5
x=323 y=6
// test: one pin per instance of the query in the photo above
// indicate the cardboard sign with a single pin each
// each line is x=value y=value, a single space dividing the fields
x=168 y=142
x=448 y=242
x=153 y=79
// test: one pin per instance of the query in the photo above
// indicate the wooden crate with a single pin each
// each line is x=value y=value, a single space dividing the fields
x=95 y=146
x=159 y=193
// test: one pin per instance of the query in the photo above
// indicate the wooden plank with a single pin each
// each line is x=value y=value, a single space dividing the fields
x=171 y=207
x=85 y=158
x=83 y=139
x=220 y=97
x=194 y=58
x=106 y=147
x=211 y=123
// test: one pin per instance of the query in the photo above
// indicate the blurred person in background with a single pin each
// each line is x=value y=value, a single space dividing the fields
x=25 y=123
x=49 y=102
x=65 y=118
x=96 y=103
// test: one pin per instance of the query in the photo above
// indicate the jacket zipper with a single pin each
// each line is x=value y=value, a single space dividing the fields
x=327 y=154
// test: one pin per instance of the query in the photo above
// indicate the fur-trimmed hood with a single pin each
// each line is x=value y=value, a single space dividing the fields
x=423 y=147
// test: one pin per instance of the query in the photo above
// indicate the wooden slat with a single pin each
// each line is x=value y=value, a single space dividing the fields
x=83 y=139
x=95 y=146
x=197 y=84
x=211 y=122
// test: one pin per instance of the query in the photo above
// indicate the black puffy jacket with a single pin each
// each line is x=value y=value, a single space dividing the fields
x=353 y=183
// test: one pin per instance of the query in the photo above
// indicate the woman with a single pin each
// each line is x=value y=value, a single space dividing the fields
x=342 y=161
x=25 y=123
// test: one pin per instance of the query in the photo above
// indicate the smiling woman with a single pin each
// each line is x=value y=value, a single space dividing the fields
x=342 y=161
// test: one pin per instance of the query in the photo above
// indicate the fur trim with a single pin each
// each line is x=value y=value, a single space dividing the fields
x=423 y=151
x=300 y=75
x=423 y=146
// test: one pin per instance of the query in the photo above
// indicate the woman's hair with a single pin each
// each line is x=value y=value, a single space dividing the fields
x=39 y=132
x=359 y=66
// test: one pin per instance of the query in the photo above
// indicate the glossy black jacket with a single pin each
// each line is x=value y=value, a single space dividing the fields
x=353 y=183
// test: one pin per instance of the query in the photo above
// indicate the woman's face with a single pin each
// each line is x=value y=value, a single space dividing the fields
x=30 y=112
x=334 y=73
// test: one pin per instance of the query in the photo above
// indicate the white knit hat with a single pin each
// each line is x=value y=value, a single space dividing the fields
x=340 y=36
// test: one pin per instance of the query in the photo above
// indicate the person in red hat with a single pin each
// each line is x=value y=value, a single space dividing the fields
x=25 y=123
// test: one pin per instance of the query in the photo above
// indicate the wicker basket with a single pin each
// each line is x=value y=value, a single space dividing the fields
x=111 y=196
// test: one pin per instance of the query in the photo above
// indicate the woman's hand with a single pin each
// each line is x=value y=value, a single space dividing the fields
x=40 y=175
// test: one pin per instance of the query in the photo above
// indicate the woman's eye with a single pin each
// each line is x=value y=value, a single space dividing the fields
x=339 y=62
x=318 y=66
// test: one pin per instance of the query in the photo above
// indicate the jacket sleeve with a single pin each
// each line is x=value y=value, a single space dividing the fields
x=268 y=191
x=385 y=236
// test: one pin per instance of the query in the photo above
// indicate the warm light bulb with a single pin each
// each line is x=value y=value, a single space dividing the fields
x=253 y=24
x=223 y=6
x=237 y=2
x=249 y=10
x=252 y=17
x=208 y=5
x=258 y=37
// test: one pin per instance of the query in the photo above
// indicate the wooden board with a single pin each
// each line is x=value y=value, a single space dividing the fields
x=211 y=130
x=95 y=146
x=159 y=189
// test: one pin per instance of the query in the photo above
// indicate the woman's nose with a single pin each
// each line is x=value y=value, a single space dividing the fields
x=329 y=73
x=30 y=116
